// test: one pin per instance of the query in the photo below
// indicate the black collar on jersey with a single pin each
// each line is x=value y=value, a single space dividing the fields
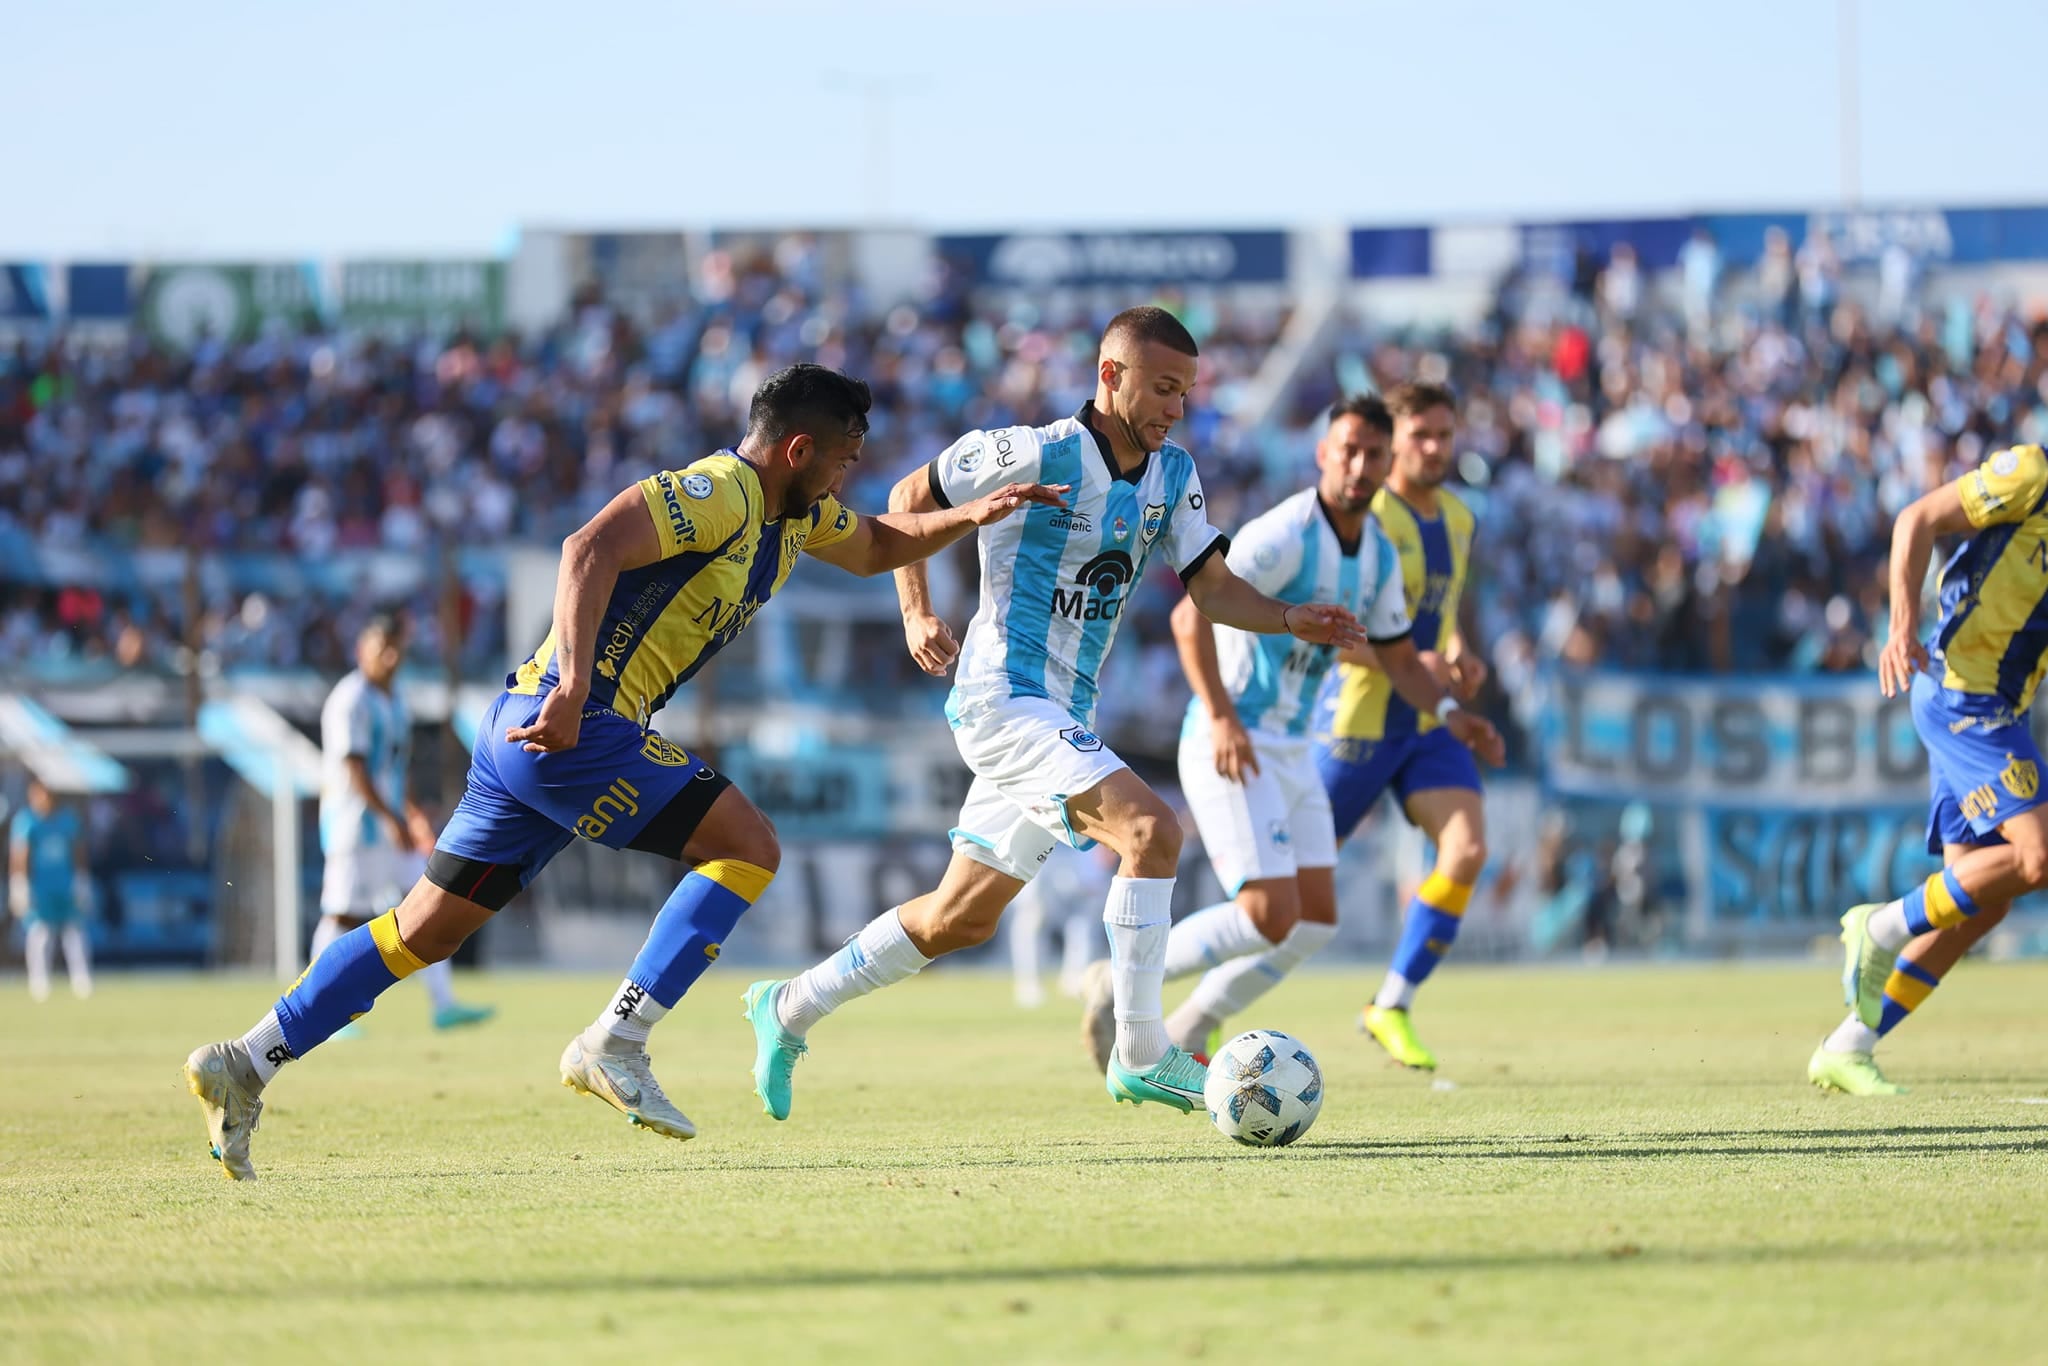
x=1086 y=417
x=1348 y=544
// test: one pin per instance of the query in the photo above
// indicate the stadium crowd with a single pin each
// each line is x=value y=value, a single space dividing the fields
x=1698 y=476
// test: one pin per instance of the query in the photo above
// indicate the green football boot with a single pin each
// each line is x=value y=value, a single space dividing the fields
x=1853 y=1074
x=1396 y=1033
x=775 y=1049
x=1865 y=966
x=1176 y=1080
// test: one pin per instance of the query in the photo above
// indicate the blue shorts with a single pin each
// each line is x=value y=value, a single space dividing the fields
x=1356 y=772
x=54 y=911
x=519 y=810
x=1978 y=776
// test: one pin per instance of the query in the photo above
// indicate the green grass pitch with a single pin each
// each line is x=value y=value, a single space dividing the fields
x=1629 y=1167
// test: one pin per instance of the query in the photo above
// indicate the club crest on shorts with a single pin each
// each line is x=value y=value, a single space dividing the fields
x=1081 y=738
x=2021 y=777
x=1155 y=518
x=663 y=751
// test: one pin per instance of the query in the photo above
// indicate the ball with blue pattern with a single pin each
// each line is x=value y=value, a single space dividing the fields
x=1264 y=1089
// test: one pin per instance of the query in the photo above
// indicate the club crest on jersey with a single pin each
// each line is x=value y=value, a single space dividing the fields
x=1155 y=518
x=697 y=485
x=1081 y=738
x=1119 y=528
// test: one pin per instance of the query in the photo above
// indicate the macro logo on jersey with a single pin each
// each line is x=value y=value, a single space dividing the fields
x=1155 y=518
x=1082 y=739
x=1006 y=449
x=1100 y=596
x=620 y=799
x=2021 y=778
x=658 y=749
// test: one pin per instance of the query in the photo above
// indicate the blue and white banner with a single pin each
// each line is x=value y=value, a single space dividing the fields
x=24 y=293
x=1047 y=259
x=1391 y=253
x=1784 y=801
x=98 y=292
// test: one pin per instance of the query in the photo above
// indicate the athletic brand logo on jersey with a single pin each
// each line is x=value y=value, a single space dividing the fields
x=678 y=524
x=844 y=517
x=703 y=771
x=697 y=485
x=629 y=1000
x=1066 y=519
x=661 y=750
x=1099 y=599
x=1081 y=738
x=711 y=952
x=619 y=800
x=2021 y=778
x=1155 y=518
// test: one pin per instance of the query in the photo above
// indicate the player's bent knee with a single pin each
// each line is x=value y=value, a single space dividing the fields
x=2033 y=864
x=1272 y=907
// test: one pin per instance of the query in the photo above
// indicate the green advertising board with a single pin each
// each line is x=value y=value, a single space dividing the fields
x=181 y=304
x=434 y=297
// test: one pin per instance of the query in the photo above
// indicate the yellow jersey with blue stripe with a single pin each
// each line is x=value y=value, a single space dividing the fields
x=1993 y=634
x=721 y=559
x=1433 y=553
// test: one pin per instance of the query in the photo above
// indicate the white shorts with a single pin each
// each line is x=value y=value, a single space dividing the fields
x=1274 y=824
x=1028 y=757
x=365 y=882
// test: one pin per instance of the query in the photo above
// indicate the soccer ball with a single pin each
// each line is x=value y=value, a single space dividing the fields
x=1264 y=1089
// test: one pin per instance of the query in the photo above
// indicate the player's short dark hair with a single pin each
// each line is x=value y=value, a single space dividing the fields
x=1368 y=408
x=384 y=625
x=1418 y=396
x=1149 y=324
x=808 y=400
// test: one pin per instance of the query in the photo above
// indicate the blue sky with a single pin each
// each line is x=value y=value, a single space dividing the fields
x=277 y=130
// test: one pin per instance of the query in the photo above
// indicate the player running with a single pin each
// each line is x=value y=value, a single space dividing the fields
x=1022 y=706
x=1984 y=816
x=1370 y=739
x=373 y=836
x=1246 y=759
x=49 y=888
x=670 y=572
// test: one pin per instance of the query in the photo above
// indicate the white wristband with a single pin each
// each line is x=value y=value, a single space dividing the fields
x=1446 y=707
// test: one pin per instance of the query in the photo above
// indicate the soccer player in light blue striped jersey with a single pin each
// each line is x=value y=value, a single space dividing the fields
x=1247 y=758
x=1053 y=589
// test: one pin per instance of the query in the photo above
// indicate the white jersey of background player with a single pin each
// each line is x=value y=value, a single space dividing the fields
x=1247 y=761
x=372 y=836
x=1053 y=588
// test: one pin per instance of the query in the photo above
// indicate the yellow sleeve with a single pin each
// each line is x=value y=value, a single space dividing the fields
x=2006 y=487
x=694 y=509
x=831 y=523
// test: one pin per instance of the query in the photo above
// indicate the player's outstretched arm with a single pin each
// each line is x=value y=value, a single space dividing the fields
x=621 y=537
x=1225 y=598
x=1422 y=690
x=1933 y=515
x=892 y=540
x=1195 y=638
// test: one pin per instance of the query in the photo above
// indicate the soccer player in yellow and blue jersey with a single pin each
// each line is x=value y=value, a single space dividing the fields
x=671 y=571
x=1971 y=697
x=1368 y=740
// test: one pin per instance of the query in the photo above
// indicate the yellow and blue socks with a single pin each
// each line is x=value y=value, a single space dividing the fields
x=1905 y=991
x=694 y=922
x=1935 y=904
x=879 y=956
x=1434 y=914
x=342 y=983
